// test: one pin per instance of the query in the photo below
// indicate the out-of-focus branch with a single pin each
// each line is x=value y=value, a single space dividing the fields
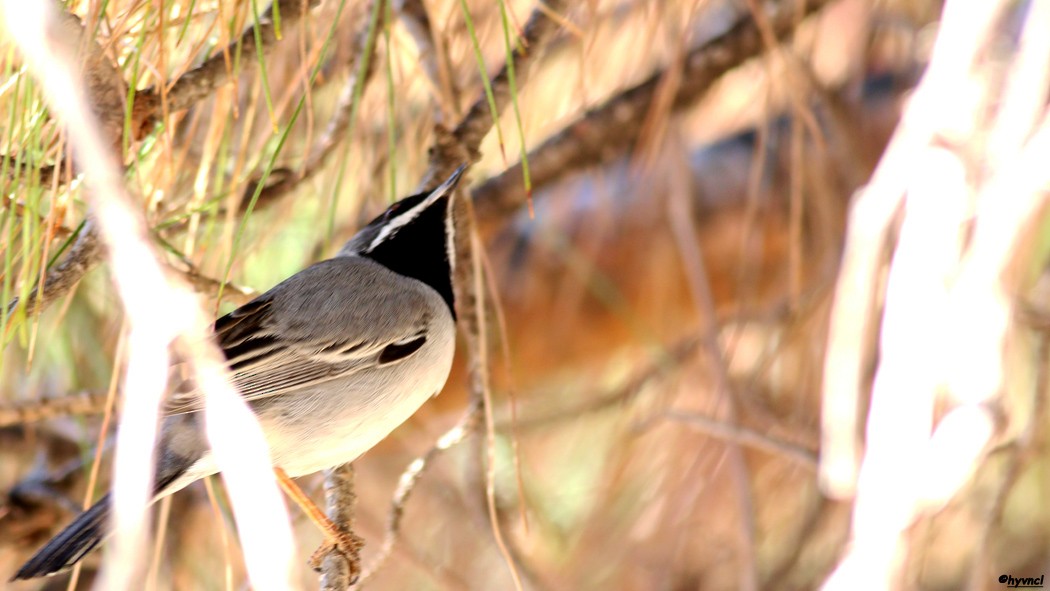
x=145 y=288
x=949 y=299
x=433 y=56
x=467 y=425
x=361 y=69
x=608 y=130
x=676 y=355
x=746 y=437
x=42 y=409
x=681 y=216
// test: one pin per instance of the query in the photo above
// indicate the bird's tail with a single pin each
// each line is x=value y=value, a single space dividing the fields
x=70 y=545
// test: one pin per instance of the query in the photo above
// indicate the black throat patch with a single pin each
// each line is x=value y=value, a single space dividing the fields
x=419 y=250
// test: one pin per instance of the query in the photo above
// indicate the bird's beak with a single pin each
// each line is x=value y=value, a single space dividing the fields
x=446 y=187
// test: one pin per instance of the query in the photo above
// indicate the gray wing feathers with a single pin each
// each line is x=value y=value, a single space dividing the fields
x=326 y=322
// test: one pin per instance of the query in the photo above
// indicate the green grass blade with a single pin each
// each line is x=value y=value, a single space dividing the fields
x=484 y=76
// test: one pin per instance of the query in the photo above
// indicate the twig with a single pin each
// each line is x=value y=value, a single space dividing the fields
x=621 y=396
x=284 y=181
x=461 y=144
x=467 y=425
x=450 y=149
x=238 y=294
x=338 y=572
x=607 y=130
x=744 y=436
x=43 y=409
x=681 y=221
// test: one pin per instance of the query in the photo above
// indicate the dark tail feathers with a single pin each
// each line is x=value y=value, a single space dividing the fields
x=70 y=545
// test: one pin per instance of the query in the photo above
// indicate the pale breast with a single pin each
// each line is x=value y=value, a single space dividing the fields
x=331 y=425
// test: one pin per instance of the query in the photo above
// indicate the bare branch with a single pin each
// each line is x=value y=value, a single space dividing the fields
x=338 y=572
x=363 y=65
x=608 y=130
x=461 y=145
x=467 y=425
x=84 y=255
x=747 y=437
x=42 y=409
x=201 y=82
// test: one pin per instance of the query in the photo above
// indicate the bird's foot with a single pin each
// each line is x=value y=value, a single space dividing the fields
x=344 y=544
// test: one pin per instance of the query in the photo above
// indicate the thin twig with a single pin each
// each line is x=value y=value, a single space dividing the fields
x=363 y=65
x=338 y=572
x=675 y=356
x=433 y=57
x=748 y=437
x=467 y=425
x=681 y=220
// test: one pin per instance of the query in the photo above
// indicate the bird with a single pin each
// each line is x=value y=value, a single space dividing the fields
x=330 y=360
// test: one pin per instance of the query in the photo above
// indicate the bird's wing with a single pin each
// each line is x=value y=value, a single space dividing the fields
x=265 y=359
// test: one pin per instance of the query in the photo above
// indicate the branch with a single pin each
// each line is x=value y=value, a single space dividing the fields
x=735 y=433
x=450 y=149
x=461 y=145
x=84 y=255
x=338 y=572
x=407 y=483
x=284 y=181
x=604 y=132
x=433 y=57
x=200 y=82
x=36 y=410
x=973 y=182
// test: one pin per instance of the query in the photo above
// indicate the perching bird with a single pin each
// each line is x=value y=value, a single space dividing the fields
x=330 y=360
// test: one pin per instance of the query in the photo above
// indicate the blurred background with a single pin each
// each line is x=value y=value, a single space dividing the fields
x=663 y=271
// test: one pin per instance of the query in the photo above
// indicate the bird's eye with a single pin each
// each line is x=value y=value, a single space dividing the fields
x=394 y=210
